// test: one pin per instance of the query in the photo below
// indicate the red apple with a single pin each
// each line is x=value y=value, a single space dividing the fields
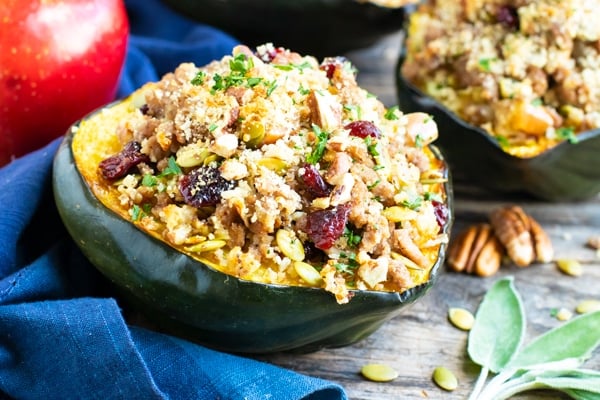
x=59 y=60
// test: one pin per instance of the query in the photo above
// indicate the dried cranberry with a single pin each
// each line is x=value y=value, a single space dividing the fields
x=314 y=182
x=311 y=252
x=441 y=213
x=117 y=166
x=363 y=129
x=508 y=17
x=330 y=64
x=324 y=227
x=144 y=109
x=203 y=186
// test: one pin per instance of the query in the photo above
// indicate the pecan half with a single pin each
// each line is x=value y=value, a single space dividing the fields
x=476 y=251
x=522 y=236
x=511 y=226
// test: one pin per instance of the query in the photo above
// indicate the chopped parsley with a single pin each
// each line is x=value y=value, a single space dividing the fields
x=502 y=141
x=212 y=127
x=289 y=67
x=372 y=185
x=485 y=64
x=567 y=133
x=319 y=147
x=349 y=264
x=138 y=212
x=352 y=238
x=419 y=141
x=271 y=86
x=430 y=196
x=149 y=180
x=356 y=110
x=391 y=113
x=172 y=168
x=199 y=78
x=413 y=202
x=303 y=91
x=371 y=146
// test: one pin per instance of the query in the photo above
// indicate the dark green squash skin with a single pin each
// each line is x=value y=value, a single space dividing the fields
x=567 y=172
x=323 y=28
x=192 y=300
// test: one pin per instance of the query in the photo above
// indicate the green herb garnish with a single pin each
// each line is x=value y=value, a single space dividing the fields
x=319 y=147
x=303 y=91
x=418 y=141
x=371 y=146
x=212 y=127
x=199 y=78
x=149 y=180
x=391 y=113
x=356 y=110
x=349 y=265
x=485 y=64
x=352 y=238
x=372 y=185
x=271 y=86
x=414 y=202
x=502 y=141
x=172 y=168
x=567 y=133
x=551 y=361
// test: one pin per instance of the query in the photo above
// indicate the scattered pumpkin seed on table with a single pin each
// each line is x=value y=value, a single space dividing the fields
x=563 y=314
x=587 y=306
x=461 y=318
x=570 y=267
x=379 y=372
x=445 y=378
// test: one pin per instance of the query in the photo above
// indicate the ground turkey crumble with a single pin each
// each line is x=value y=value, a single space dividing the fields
x=273 y=167
x=527 y=71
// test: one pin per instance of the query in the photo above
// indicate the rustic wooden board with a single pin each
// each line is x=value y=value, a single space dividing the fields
x=421 y=338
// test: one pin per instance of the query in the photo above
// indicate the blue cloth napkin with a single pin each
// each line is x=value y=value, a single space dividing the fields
x=61 y=337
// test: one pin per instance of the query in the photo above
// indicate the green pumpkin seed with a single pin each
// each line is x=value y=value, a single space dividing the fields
x=587 y=306
x=274 y=164
x=211 y=159
x=191 y=155
x=379 y=372
x=289 y=245
x=570 y=267
x=253 y=133
x=445 y=378
x=308 y=273
x=208 y=245
x=461 y=318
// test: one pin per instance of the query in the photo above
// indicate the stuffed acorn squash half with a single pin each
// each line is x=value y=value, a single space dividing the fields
x=261 y=203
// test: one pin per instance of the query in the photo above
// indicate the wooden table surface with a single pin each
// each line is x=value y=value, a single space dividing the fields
x=421 y=338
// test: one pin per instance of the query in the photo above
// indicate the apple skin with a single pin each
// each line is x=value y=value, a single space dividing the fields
x=59 y=60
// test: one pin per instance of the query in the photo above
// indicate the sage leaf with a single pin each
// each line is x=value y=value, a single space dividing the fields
x=591 y=385
x=576 y=339
x=582 y=394
x=499 y=327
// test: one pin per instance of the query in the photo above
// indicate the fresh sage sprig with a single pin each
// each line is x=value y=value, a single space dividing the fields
x=550 y=361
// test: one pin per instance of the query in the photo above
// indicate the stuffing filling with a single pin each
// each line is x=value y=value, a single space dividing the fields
x=274 y=168
x=526 y=71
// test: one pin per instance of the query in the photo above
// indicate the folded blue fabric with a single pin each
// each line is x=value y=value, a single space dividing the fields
x=60 y=336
